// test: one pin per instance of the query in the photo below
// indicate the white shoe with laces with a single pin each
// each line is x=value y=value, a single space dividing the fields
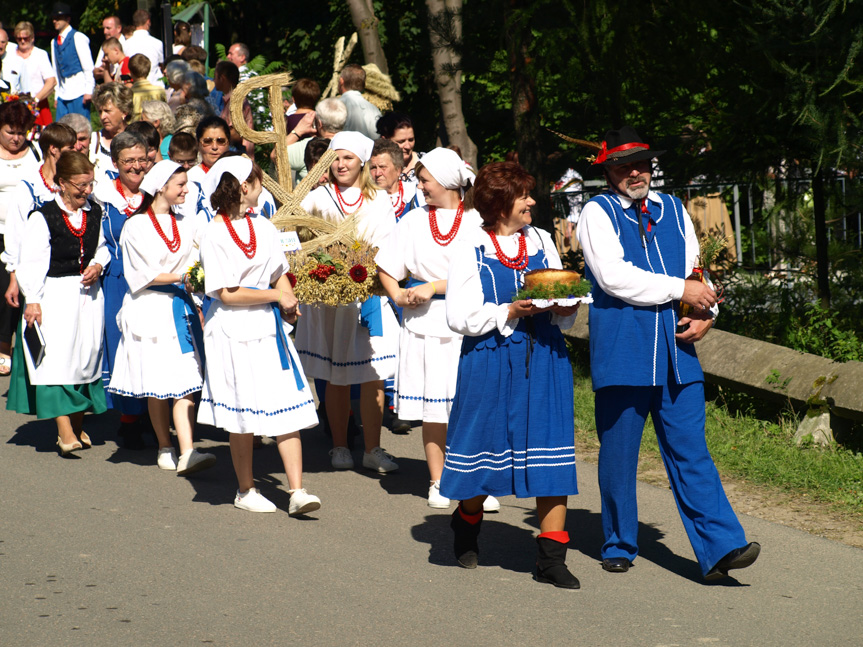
x=436 y=499
x=253 y=501
x=379 y=461
x=167 y=459
x=490 y=504
x=302 y=502
x=341 y=458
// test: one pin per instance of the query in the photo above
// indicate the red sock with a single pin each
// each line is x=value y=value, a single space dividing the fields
x=127 y=418
x=472 y=519
x=560 y=536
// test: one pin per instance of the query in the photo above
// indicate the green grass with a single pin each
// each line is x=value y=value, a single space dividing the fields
x=760 y=450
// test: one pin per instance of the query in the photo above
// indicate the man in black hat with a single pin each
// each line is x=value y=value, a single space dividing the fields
x=639 y=248
x=73 y=64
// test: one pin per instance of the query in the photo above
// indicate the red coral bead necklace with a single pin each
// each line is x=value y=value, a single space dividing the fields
x=445 y=239
x=249 y=248
x=52 y=189
x=399 y=203
x=130 y=208
x=517 y=262
x=344 y=204
x=173 y=245
x=77 y=233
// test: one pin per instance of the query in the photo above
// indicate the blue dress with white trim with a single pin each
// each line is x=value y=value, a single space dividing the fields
x=511 y=428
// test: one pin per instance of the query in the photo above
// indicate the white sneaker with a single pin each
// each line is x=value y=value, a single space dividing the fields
x=303 y=502
x=167 y=459
x=380 y=461
x=194 y=461
x=436 y=499
x=490 y=504
x=253 y=501
x=341 y=458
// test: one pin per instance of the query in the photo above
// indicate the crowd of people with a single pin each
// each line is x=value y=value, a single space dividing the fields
x=101 y=229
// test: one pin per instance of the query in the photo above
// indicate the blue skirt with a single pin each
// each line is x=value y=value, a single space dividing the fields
x=511 y=428
x=114 y=287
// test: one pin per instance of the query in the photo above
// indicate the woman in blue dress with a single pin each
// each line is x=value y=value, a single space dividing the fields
x=119 y=198
x=511 y=427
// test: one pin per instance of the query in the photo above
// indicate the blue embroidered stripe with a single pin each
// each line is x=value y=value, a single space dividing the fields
x=419 y=398
x=258 y=412
x=150 y=394
x=327 y=359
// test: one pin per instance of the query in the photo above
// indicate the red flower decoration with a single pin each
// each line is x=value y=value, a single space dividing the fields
x=292 y=279
x=358 y=273
x=322 y=272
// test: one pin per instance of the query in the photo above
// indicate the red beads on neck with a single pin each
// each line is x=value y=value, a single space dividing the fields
x=249 y=248
x=77 y=233
x=445 y=239
x=517 y=262
x=130 y=208
x=173 y=245
x=344 y=204
x=52 y=188
x=399 y=203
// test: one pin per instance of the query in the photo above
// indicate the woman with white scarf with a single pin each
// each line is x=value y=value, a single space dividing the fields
x=420 y=247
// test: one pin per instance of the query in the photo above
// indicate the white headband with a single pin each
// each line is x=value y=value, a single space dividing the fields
x=450 y=171
x=158 y=176
x=239 y=167
x=354 y=142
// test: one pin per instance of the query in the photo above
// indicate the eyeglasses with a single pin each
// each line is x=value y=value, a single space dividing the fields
x=190 y=162
x=133 y=162
x=23 y=39
x=208 y=141
x=82 y=186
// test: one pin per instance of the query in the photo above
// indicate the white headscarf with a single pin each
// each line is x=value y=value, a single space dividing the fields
x=158 y=176
x=239 y=167
x=450 y=170
x=354 y=142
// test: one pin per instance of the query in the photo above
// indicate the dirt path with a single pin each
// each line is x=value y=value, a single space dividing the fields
x=770 y=504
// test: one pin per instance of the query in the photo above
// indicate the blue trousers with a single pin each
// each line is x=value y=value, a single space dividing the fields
x=679 y=418
x=65 y=106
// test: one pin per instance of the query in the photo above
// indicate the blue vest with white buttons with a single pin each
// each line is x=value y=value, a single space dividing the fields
x=66 y=56
x=634 y=345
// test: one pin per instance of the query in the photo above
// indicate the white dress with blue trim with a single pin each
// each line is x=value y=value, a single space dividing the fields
x=428 y=348
x=330 y=340
x=511 y=430
x=246 y=388
x=158 y=356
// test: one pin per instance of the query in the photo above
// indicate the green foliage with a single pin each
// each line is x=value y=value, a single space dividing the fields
x=822 y=332
x=556 y=290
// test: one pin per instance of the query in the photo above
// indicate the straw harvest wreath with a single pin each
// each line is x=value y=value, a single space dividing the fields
x=334 y=266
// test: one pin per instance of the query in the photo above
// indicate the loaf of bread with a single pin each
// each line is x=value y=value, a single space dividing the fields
x=536 y=278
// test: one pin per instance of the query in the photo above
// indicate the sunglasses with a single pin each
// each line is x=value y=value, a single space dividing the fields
x=23 y=39
x=208 y=141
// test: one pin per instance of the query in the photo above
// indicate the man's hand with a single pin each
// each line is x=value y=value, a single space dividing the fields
x=697 y=294
x=698 y=327
x=306 y=125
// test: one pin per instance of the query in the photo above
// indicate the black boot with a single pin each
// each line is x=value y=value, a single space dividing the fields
x=551 y=564
x=465 y=542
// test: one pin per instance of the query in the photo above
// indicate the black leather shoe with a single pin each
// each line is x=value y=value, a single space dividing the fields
x=737 y=558
x=616 y=564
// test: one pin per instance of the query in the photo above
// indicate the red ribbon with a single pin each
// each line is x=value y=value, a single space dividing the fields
x=604 y=153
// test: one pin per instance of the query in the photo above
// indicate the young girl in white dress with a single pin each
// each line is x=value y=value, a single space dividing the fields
x=254 y=384
x=420 y=247
x=334 y=344
x=159 y=356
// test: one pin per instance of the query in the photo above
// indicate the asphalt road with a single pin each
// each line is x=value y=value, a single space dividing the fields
x=106 y=549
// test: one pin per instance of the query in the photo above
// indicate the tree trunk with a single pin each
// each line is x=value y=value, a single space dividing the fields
x=525 y=110
x=363 y=15
x=445 y=32
x=822 y=259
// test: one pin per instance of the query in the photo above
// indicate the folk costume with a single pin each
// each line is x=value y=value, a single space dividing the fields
x=422 y=246
x=73 y=67
x=160 y=351
x=116 y=210
x=637 y=255
x=254 y=381
x=57 y=247
x=334 y=343
x=511 y=427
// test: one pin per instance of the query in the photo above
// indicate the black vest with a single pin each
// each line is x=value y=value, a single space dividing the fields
x=65 y=246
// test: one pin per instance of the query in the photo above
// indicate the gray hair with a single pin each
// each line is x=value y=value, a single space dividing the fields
x=77 y=122
x=197 y=86
x=332 y=113
x=175 y=71
x=153 y=110
x=189 y=114
x=389 y=147
x=125 y=140
x=116 y=93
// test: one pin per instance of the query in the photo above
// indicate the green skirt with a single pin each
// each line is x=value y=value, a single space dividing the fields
x=49 y=400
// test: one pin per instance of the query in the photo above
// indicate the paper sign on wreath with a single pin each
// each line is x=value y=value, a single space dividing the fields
x=334 y=266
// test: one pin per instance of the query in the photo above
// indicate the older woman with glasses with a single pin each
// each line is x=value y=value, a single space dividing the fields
x=32 y=68
x=62 y=256
x=114 y=103
x=119 y=199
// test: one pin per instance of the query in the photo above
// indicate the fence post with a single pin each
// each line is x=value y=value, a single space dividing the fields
x=737 y=238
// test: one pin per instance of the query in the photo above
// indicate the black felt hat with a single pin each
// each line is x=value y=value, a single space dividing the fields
x=623 y=146
x=60 y=9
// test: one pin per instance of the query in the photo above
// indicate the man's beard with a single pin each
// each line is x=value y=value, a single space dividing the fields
x=639 y=193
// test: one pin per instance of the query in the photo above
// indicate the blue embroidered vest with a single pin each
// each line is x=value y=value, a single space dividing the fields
x=635 y=345
x=66 y=56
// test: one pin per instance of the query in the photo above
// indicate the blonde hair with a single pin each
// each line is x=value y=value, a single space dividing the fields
x=367 y=185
